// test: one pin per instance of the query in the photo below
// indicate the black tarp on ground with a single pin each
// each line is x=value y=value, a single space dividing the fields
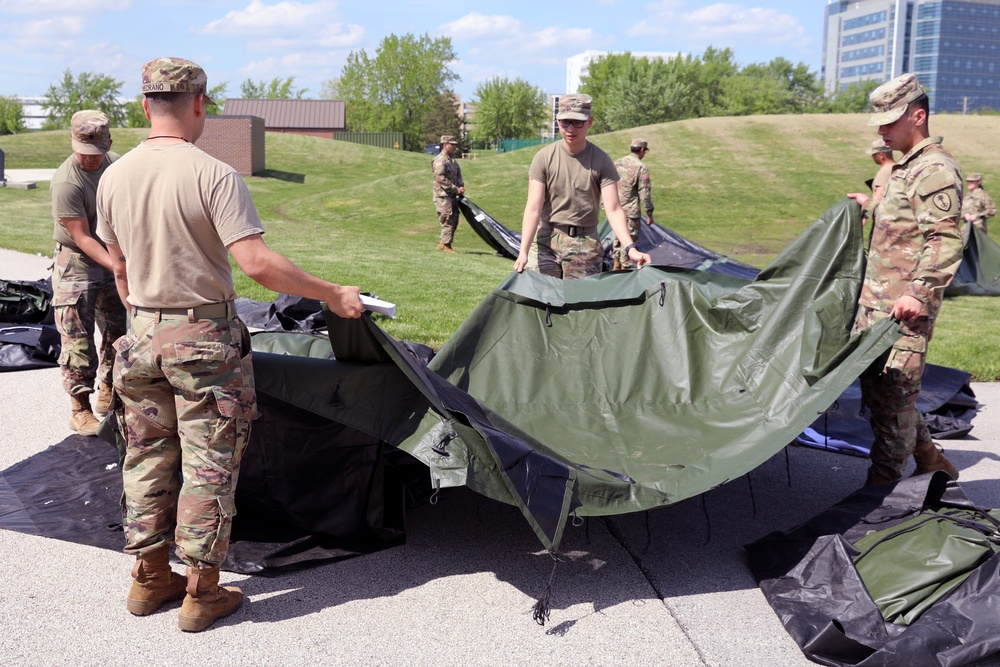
x=948 y=571
x=311 y=489
x=979 y=274
x=946 y=401
x=668 y=248
x=665 y=247
x=27 y=346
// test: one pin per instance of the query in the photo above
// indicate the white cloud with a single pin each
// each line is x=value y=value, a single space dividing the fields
x=720 y=24
x=286 y=25
x=477 y=26
x=497 y=33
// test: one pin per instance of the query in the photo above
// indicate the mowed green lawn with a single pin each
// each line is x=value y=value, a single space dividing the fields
x=744 y=187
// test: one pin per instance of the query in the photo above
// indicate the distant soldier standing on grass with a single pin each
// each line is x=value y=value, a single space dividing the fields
x=882 y=156
x=916 y=249
x=448 y=187
x=978 y=206
x=634 y=187
x=84 y=293
x=567 y=183
x=171 y=215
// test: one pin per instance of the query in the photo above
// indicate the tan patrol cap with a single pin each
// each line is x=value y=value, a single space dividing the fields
x=890 y=100
x=90 y=132
x=878 y=146
x=574 y=107
x=639 y=143
x=974 y=177
x=174 y=75
x=448 y=139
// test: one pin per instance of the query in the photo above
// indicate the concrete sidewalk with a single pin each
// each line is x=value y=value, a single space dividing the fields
x=672 y=592
x=28 y=175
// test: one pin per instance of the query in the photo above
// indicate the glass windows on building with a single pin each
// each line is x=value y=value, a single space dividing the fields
x=863 y=54
x=862 y=70
x=862 y=37
x=862 y=21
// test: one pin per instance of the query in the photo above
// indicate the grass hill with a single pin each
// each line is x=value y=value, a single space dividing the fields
x=358 y=215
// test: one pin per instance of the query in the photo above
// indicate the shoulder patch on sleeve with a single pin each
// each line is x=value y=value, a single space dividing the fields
x=936 y=182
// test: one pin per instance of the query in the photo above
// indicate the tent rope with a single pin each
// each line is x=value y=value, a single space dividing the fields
x=434 y=496
x=548 y=316
x=663 y=292
x=540 y=612
x=649 y=534
x=788 y=467
x=753 y=500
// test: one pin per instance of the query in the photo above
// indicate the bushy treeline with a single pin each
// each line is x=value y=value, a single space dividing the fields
x=631 y=91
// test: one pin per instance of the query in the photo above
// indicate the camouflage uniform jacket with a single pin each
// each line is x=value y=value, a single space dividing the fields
x=979 y=203
x=634 y=186
x=916 y=245
x=447 y=176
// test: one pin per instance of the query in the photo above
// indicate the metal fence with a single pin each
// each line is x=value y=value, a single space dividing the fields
x=379 y=139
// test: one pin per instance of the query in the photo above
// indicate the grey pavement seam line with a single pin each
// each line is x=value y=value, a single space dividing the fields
x=619 y=536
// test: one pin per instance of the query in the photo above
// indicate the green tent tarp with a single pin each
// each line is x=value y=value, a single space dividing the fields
x=617 y=393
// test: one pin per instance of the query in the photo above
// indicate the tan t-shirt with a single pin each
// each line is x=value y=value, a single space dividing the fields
x=573 y=183
x=173 y=209
x=73 y=192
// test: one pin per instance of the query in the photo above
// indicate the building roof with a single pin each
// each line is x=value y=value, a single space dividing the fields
x=299 y=114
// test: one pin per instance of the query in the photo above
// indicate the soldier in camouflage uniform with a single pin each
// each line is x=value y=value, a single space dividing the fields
x=84 y=294
x=171 y=215
x=977 y=206
x=567 y=183
x=448 y=186
x=634 y=187
x=915 y=251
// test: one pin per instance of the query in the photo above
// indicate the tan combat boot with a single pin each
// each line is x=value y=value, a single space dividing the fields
x=206 y=601
x=154 y=583
x=103 y=403
x=440 y=245
x=929 y=459
x=83 y=420
x=879 y=475
x=447 y=248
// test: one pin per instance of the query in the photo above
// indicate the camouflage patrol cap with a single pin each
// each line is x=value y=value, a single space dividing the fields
x=448 y=139
x=639 y=143
x=174 y=75
x=891 y=99
x=974 y=177
x=90 y=132
x=878 y=146
x=574 y=107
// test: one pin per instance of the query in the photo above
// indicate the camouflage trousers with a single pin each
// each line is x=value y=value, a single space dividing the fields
x=447 y=212
x=889 y=389
x=187 y=401
x=555 y=253
x=84 y=296
x=621 y=258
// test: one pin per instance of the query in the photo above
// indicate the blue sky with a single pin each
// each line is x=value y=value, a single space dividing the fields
x=310 y=39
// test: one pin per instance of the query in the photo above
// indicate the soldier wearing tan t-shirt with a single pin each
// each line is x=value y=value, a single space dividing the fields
x=567 y=183
x=84 y=297
x=171 y=215
x=882 y=156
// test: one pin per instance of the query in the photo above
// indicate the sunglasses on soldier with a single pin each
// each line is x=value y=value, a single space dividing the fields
x=565 y=122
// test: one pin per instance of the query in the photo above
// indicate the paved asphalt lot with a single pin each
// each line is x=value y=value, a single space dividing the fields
x=460 y=592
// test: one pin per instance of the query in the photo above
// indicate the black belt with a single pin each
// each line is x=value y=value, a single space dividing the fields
x=573 y=231
x=208 y=311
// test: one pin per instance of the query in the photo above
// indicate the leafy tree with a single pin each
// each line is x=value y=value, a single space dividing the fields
x=11 y=116
x=275 y=89
x=330 y=90
x=851 y=99
x=509 y=109
x=442 y=118
x=393 y=91
x=86 y=91
x=135 y=116
x=649 y=91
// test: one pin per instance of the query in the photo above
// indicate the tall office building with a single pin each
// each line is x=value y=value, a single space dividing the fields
x=953 y=46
